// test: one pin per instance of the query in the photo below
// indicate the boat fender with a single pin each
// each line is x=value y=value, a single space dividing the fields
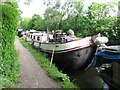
x=101 y=40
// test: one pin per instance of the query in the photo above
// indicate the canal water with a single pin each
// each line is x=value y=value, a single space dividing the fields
x=86 y=79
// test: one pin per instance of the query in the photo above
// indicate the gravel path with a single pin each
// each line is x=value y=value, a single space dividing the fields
x=31 y=74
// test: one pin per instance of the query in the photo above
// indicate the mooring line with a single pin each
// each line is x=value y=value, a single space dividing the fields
x=52 y=56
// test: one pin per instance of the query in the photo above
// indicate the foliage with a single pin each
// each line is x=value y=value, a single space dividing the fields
x=36 y=23
x=62 y=79
x=9 y=62
x=70 y=15
x=102 y=21
x=96 y=20
x=52 y=19
x=24 y=23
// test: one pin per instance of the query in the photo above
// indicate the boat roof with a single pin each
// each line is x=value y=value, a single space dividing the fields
x=37 y=34
x=113 y=49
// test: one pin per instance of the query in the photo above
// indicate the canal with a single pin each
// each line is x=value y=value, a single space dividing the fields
x=86 y=79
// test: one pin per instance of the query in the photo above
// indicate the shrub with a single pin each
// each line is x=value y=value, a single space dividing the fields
x=9 y=62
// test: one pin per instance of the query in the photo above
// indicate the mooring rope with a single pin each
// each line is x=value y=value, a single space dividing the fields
x=52 y=56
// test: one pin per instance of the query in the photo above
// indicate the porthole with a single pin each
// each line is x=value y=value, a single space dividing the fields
x=38 y=38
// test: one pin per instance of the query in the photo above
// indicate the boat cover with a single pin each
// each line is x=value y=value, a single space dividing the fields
x=97 y=61
x=67 y=38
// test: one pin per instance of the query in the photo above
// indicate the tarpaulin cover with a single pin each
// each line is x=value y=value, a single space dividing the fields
x=106 y=58
x=68 y=38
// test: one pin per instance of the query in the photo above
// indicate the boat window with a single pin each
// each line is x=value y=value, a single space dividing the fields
x=31 y=36
x=34 y=37
x=38 y=38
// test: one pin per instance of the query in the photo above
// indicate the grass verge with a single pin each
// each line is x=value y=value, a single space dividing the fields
x=53 y=72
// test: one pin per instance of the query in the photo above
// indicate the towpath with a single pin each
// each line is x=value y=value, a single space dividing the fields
x=31 y=74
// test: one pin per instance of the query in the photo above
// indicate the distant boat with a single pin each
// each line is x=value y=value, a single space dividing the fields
x=37 y=37
x=19 y=32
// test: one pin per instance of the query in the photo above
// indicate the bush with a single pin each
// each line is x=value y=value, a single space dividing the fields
x=9 y=61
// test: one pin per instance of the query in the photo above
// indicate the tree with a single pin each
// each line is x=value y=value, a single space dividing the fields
x=70 y=15
x=102 y=21
x=39 y=24
x=24 y=23
x=61 y=16
x=99 y=11
x=52 y=19
x=36 y=23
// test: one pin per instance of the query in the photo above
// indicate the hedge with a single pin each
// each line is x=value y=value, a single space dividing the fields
x=9 y=61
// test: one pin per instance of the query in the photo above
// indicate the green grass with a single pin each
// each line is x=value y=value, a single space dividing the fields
x=53 y=72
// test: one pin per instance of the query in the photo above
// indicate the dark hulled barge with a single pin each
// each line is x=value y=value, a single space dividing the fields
x=65 y=52
x=72 y=55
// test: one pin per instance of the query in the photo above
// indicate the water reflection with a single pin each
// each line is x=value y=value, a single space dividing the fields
x=86 y=78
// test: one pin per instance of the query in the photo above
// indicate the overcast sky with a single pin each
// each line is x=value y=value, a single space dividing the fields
x=37 y=6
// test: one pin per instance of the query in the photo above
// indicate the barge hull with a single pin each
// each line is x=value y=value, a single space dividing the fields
x=73 y=60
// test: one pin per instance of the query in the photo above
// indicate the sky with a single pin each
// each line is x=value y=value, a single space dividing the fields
x=37 y=6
